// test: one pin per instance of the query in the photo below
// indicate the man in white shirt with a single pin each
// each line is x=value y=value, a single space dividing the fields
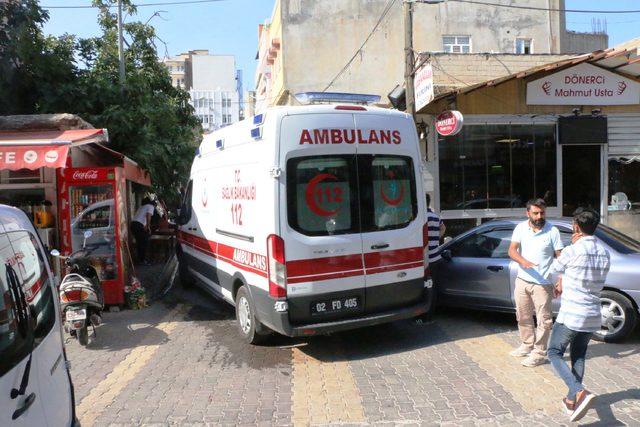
x=141 y=227
x=584 y=266
x=534 y=245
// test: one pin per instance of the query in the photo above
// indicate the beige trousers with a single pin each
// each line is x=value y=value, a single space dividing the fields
x=534 y=299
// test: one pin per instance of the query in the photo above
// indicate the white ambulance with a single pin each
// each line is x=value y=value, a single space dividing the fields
x=309 y=219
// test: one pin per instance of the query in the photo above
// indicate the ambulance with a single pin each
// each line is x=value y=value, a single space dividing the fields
x=309 y=219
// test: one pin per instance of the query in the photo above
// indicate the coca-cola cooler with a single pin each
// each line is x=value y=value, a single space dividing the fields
x=94 y=199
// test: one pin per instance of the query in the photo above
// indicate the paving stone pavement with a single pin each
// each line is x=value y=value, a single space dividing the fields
x=180 y=362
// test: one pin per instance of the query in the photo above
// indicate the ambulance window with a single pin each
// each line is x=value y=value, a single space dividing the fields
x=322 y=195
x=388 y=194
x=14 y=338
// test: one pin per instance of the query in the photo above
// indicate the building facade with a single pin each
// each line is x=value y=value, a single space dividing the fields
x=308 y=44
x=567 y=132
x=214 y=85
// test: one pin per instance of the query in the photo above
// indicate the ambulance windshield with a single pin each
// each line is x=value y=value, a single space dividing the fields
x=329 y=195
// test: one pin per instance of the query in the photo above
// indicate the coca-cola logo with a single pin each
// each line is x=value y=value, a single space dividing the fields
x=91 y=174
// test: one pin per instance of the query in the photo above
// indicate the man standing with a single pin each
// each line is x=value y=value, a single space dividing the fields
x=584 y=266
x=436 y=229
x=533 y=246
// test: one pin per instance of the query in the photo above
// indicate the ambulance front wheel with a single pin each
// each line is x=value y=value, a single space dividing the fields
x=245 y=316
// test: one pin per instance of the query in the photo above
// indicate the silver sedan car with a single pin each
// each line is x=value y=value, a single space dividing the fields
x=476 y=272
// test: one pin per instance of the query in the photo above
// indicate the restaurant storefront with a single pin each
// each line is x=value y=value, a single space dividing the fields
x=568 y=132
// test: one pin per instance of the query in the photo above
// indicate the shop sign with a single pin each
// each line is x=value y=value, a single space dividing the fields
x=32 y=156
x=584 y=84
x=449 y=123
x=88 y=174
x=423 y=85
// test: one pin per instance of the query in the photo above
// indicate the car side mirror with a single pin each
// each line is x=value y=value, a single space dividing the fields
x=446 y=254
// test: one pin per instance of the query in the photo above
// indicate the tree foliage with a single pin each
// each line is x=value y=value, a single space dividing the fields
x=148 y=119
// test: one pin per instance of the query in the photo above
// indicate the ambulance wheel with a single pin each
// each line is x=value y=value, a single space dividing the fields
x=245 y=316
x=183 y=273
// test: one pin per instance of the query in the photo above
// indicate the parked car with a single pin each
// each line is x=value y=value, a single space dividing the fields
x=35 y=386
x=477 y=273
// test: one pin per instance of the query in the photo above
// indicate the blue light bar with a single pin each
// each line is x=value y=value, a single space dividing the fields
x=256 y=133
x=258 y=120
x=220 y=143
x=336 y=97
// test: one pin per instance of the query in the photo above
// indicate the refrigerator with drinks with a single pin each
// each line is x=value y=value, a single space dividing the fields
x=95 y=199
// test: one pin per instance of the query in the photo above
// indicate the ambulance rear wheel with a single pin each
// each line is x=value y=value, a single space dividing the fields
x=245 y=316
x=183 y=272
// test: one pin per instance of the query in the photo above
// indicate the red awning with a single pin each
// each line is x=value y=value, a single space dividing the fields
x=75 y=137
x=33 y=150
x=15 y=157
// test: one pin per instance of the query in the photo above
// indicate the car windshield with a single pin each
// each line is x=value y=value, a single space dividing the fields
x=617 y=241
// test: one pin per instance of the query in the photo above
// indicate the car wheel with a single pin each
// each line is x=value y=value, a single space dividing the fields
x=246 y=319
x=618 y=317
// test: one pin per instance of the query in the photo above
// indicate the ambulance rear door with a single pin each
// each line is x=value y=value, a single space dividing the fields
x=320 y=217
x=388 y=165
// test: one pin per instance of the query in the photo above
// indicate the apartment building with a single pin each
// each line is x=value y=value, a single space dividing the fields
x=214 y=85
x=313 y=46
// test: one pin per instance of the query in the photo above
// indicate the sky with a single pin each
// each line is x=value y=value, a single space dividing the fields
x=230 y=27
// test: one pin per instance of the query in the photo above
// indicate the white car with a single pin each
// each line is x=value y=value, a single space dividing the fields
x=35 y=385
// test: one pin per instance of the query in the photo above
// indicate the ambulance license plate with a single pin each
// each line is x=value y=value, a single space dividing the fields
x=335 y=305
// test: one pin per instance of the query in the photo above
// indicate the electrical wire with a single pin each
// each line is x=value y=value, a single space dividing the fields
x=166 y=3
x=384 y=14
x=513 y=6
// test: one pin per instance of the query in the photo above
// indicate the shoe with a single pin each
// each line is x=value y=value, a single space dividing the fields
x=584 y=400
x=568 y=406
x=533 y=360
x=521 y=351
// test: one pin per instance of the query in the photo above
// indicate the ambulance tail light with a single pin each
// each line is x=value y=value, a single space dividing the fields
x=425 y=244
x=428 y=282
x=276 y=267
x=350 y=108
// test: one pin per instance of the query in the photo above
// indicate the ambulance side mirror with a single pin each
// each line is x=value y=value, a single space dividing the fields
x=181 y=218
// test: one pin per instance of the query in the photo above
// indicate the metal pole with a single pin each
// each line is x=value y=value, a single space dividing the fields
x=407 y=7
x=120 y=45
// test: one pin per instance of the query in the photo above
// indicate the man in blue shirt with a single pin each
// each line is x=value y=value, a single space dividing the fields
x=534 y=245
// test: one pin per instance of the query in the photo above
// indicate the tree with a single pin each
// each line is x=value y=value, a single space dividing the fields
x=37 y=73
x=148 y=119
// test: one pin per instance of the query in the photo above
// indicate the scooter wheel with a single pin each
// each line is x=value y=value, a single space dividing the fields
x=83 y=335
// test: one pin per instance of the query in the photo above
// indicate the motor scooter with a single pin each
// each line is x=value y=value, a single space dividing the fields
x=80 y=293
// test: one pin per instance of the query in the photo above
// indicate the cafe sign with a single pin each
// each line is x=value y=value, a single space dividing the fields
x=584 y=84
x=449 y=123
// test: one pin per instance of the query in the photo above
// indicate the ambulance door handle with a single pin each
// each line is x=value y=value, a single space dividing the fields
x=25 y=406
x=380 y=246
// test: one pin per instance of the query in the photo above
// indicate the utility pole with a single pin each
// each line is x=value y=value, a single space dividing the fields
x=410 y=99
x=409 y=60
x=120 y=45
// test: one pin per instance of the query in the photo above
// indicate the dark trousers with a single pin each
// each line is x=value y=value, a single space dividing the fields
x=142 y=239
x=561 y=338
